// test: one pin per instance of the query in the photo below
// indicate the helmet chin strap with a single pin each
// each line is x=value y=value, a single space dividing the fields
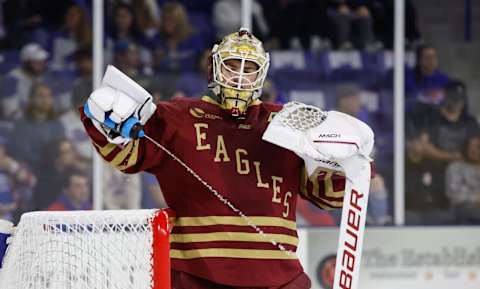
x=236 y=101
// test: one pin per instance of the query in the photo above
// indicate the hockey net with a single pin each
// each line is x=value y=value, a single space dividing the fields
x=89 y=249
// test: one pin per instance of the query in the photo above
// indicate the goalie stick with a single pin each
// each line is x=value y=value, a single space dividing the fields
x=352 y=226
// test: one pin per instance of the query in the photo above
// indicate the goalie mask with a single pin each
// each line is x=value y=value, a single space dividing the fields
x=239 y=68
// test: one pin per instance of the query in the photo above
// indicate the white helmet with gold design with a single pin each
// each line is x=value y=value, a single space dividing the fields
x=239 y=67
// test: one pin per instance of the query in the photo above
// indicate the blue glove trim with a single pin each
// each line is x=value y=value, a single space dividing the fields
x=126 y=126
x=108 y=122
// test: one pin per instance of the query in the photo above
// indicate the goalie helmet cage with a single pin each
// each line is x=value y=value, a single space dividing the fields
x=89 y=250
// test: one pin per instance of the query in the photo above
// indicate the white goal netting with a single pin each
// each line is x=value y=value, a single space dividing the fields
x=87 y=249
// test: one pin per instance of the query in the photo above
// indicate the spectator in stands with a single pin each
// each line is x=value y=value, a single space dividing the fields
x=60 y=157
x=348 y=96
x=65 y=157
x=30 y=20
x=3 y=30
x=227 y=18
x=379 y=212
x=447 y=129
x=16 y=182
x=124 y=26
x=37 y=129
x=204 y=6
x=147 y=15
x=192 y=83
x=463 y=184
x=126 y=58
x=74 y=130
x=425 y=82
x=121 y=191
x=349 y=102
x=75 y=33
x=177 y=47
x=385 y=23
x=449 y=126
x=75 y=196
x=82 y=86
x=425 y=199
x=297 y=24
x=33 y=68
x=353 y=25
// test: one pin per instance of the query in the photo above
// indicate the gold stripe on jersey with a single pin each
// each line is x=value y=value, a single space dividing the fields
x=132 y=160
x=231 y=253
x=106 y=149
x=234 y=237
x=122 y=155
x=237 y=221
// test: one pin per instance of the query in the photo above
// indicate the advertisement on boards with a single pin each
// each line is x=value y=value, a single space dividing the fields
x=400 y=258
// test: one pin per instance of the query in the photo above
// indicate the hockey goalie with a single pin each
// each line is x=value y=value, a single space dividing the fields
x=235 y=204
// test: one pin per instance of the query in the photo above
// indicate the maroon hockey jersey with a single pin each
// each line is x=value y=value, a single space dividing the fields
x=209 y=240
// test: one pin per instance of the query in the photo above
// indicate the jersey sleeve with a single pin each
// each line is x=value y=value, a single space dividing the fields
x=324 y=188
x=141 y=154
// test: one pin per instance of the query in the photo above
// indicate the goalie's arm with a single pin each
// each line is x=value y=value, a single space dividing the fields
x=324 y=188
x=140 y=154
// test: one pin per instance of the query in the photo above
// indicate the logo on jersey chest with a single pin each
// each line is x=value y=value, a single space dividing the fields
x=200 y=113
x=244 y=126
x=244 y=165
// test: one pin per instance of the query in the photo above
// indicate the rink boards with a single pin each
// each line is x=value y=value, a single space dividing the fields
x=400 y=258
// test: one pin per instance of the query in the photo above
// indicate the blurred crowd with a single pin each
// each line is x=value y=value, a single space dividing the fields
x=442 y=147
x=46 y=65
